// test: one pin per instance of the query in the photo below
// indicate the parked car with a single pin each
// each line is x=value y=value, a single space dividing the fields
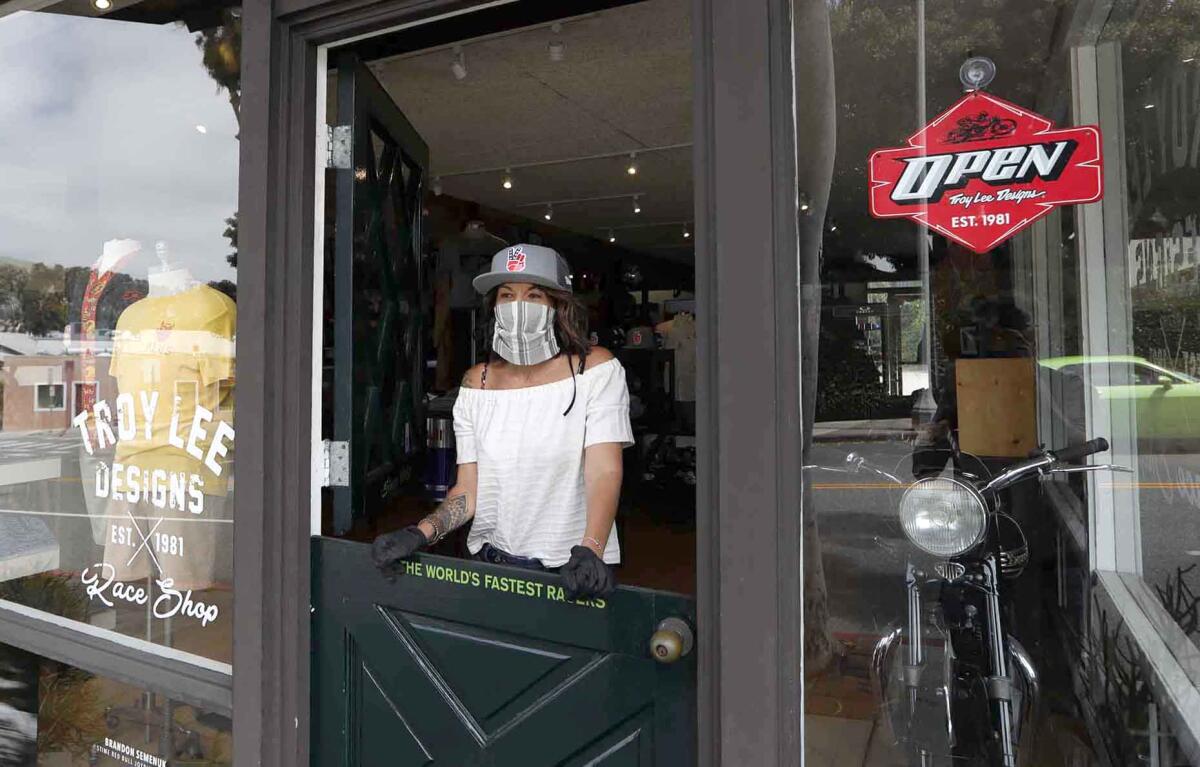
x=1166 y=402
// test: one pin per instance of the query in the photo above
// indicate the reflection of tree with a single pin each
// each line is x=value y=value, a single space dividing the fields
x=874 y=49
x=231 y=234
x=221 y=51
x=13 y=281
x=33 y=299
x=816 y=134
x=848 y=385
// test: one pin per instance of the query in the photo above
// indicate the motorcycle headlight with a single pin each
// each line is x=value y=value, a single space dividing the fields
x=943 y=516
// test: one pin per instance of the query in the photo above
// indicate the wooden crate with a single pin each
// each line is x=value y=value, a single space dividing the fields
x=997 y=406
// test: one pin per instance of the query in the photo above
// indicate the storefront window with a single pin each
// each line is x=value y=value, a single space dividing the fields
x=52 y=713
x=1159 y=88
x=118 y=288
x=987 y=296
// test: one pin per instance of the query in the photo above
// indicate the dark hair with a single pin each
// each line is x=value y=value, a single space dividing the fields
x=570 y=319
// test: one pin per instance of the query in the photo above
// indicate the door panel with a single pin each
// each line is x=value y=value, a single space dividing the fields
x=462 y=663
x=377 y=278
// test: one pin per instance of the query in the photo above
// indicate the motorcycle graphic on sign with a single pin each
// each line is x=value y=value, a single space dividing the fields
x=984 y=170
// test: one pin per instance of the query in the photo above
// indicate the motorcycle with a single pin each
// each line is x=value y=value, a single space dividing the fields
x=956 y=687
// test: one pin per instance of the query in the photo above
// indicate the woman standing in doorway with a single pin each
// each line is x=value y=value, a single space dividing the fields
x=539 y=429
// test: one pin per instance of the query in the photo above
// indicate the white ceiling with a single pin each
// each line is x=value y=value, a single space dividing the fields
x=625 y=84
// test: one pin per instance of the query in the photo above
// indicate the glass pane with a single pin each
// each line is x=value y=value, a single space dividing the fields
x=55 y=715
x=971 y=315
x=118 y=270
x=1160 y=93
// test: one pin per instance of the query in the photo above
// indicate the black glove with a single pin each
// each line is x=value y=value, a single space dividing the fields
x=390 y=549
x=585 y=575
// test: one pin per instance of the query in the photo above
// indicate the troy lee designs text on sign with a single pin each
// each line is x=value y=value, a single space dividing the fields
x=984 y=170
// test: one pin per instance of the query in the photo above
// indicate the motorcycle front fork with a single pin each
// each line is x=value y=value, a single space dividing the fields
x=999 y=683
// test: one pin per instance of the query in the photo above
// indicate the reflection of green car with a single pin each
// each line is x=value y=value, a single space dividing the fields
x=1167 y=403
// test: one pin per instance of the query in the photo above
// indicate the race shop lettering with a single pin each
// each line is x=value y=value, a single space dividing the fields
x=160 y=453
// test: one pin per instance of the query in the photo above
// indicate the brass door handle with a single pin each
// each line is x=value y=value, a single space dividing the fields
x=672 y=640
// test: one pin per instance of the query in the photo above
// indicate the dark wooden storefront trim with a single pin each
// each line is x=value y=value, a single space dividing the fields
x=748 y=498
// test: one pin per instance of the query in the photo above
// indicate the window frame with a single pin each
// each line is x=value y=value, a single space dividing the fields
x=1170 y=660
x=167 y=671
x=37 y=396
x=751 y=679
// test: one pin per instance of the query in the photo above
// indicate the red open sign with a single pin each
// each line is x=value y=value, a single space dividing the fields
x=984 y=170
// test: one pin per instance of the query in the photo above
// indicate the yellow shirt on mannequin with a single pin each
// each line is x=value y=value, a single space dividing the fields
x=179 y=348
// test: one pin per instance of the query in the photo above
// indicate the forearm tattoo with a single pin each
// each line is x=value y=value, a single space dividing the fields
x=451 y=515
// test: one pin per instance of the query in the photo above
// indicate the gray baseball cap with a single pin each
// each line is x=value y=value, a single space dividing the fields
x=534 y=264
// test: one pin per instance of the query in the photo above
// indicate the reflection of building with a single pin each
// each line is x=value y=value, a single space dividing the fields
x=41 y=390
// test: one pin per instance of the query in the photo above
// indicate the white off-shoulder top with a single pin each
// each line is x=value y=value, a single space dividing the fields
x=530 y=500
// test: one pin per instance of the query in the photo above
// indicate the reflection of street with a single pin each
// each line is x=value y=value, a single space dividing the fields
x=57 y=501
x=20 y=446
x=862 y=546
x=1170 y=516
x=68 y=529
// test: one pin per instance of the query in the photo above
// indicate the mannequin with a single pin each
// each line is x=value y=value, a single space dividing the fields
x=460 y=258
x=167 y=279
x=173 y=360
x=679 y=334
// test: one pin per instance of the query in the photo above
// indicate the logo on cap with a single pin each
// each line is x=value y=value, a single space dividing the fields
x=516 y=260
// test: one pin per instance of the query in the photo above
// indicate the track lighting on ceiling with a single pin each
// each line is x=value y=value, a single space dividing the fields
x=549 y=214
x=437 y=186
x=102 y=5
x=637 y=204
x=687 y=233
x=507 y=181
x=612 y=236
x=556 y=49
x=458 y=65
x=632 y=168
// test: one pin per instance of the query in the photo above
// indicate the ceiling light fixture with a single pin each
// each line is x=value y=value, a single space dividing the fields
x=437 y=186
x=556 y=49
x=637 y=205
x=832 y=225
x=549 y=214
x=1148 y=106
x=612 y=236
x=1189 y=60
x=507 y=181
x=805 y=204
x=632 y=169
x=458 y=66
x=102 y=5
x=687 y=233
x=201 y=129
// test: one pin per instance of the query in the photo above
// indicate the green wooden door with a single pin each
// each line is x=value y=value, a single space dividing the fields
x=462 y=663
x=458 y=663
x=377 y=390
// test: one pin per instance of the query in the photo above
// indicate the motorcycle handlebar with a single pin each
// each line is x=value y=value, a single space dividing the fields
x=1076 y=452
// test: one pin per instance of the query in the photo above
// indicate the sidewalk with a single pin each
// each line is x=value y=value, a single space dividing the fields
x=842 y=714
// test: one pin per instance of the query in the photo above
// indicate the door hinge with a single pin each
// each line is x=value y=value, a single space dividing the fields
x=335 y=464
x=338 y=146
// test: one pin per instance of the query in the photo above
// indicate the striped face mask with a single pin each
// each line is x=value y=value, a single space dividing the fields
x=524 y=333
